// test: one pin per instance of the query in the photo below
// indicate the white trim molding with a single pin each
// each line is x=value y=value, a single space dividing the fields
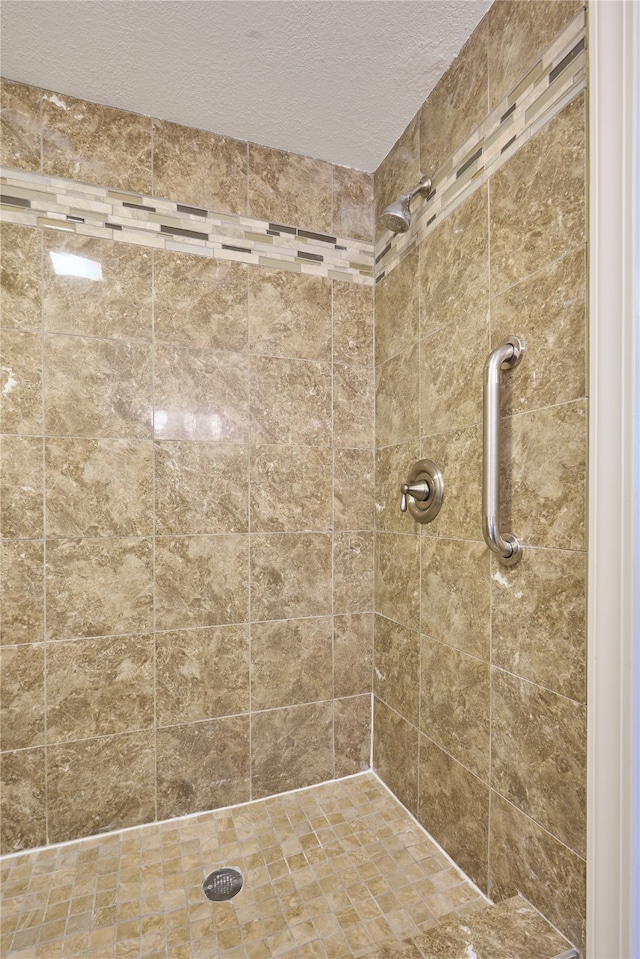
x=613 y=475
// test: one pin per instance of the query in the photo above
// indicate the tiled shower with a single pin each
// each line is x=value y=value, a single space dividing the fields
x=207 y=580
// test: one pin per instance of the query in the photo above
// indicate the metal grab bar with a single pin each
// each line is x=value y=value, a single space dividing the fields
x=507 y=548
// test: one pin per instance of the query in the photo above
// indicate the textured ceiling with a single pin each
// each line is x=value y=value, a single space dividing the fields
x=333 y=79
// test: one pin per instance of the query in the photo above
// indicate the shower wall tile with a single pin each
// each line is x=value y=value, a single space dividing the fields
x=538 y=756
x=21 y=486
x=21 y=382
x=353 y=489
x=459 y=456
x=97 y=387
x=98 y=785
x=538 y=200
x=202 y=674
x=353 y=572
x=538 y=620
x=201 y=580
x=399 y=171
x=99 y=587
x=199 y=302
x=457 y=104
x=23 y=800
x=202 y=766
x=398 y=578
x=395 y=754
x=291 y=748
x=397 y=309
x=398 y=398
x=454 y=809
x=290 y=489
x=455 y=704
x=20 y=139
x=117 y=305
x=352 y=734
x=526 y=858
x=99 y=687
x=22 y=593
x=353 y=406
x=21 y=277
x=352 y=654
x=352 y=324
x=199 y=168
x=291 y=662
x=392 y=468
x=283 y=565
x=201 y=487
x=289 y=315
x=353 y=203
x=280 y=389
x=95 y=144
x=99 y=487
x=22 y=696
x=288 y=188
x=397 y=667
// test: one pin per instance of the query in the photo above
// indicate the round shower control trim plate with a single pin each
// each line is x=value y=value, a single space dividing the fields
x=426 y=510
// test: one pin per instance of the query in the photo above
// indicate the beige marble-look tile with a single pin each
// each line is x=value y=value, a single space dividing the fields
x=99 y=587
x=544 y=462
x=291 y=748
x=199 y=168
x=290 y=401
x=98 y=785
x=201 y=674
x=538 y=200
x=397 y=667
x=20 y=113
x=200 y=395
x=22 y=696
x=20 y=382
x=455 y=705
x=203 y=765
x=353 y=406
x=352 y=654
x=459 y=457
x=398 y=398
x=201 y=580
x=200 y=302
x=397 y=578
x=97 y=387
x=22 y=593
x=455 y=594
x=290 y=189
x=289 y=314
x=20 y=277
x=353 y=323
x=548 y=310
x=290 y=489
x=454 y=268
x=21 y=486
x=353 y=572
x=201 y=487
x=283 y=565
x=451 y=381
x=525 y=858
x=117 y=305
x=353 y=489
x=291 y=662
x=530 y=27
x=99 y=487
x=457 y=104
x=353 y=203
x=454 y=809
x=398 y=309
x=538 y=620
x=95 y=144
x=391 y=471
x=98 y=687
x=395 y=754
x=399 y=171
x=22 y=798
x=538 y=755
x=352 y=734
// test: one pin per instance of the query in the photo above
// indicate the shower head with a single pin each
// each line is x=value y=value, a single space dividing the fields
x=397 y=216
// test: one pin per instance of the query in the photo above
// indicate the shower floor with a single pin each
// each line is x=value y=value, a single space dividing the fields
x=329 y=871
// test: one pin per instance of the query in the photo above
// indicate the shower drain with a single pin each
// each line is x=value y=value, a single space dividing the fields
x=223 y=884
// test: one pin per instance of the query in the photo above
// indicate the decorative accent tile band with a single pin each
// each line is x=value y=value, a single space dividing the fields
x=551 y=83
x=54 y=203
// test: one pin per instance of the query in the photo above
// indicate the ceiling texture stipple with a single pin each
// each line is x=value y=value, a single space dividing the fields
x=333 y=79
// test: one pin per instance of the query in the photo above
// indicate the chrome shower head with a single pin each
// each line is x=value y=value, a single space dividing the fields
x=397 y=216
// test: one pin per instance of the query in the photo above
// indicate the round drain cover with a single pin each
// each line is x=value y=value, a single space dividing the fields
x=223 y=884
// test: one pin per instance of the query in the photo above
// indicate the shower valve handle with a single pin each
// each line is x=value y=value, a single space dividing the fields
x=420 y=492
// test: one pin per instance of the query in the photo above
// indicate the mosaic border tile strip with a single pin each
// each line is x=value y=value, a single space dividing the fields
x=556 y=79
x=55 y=203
